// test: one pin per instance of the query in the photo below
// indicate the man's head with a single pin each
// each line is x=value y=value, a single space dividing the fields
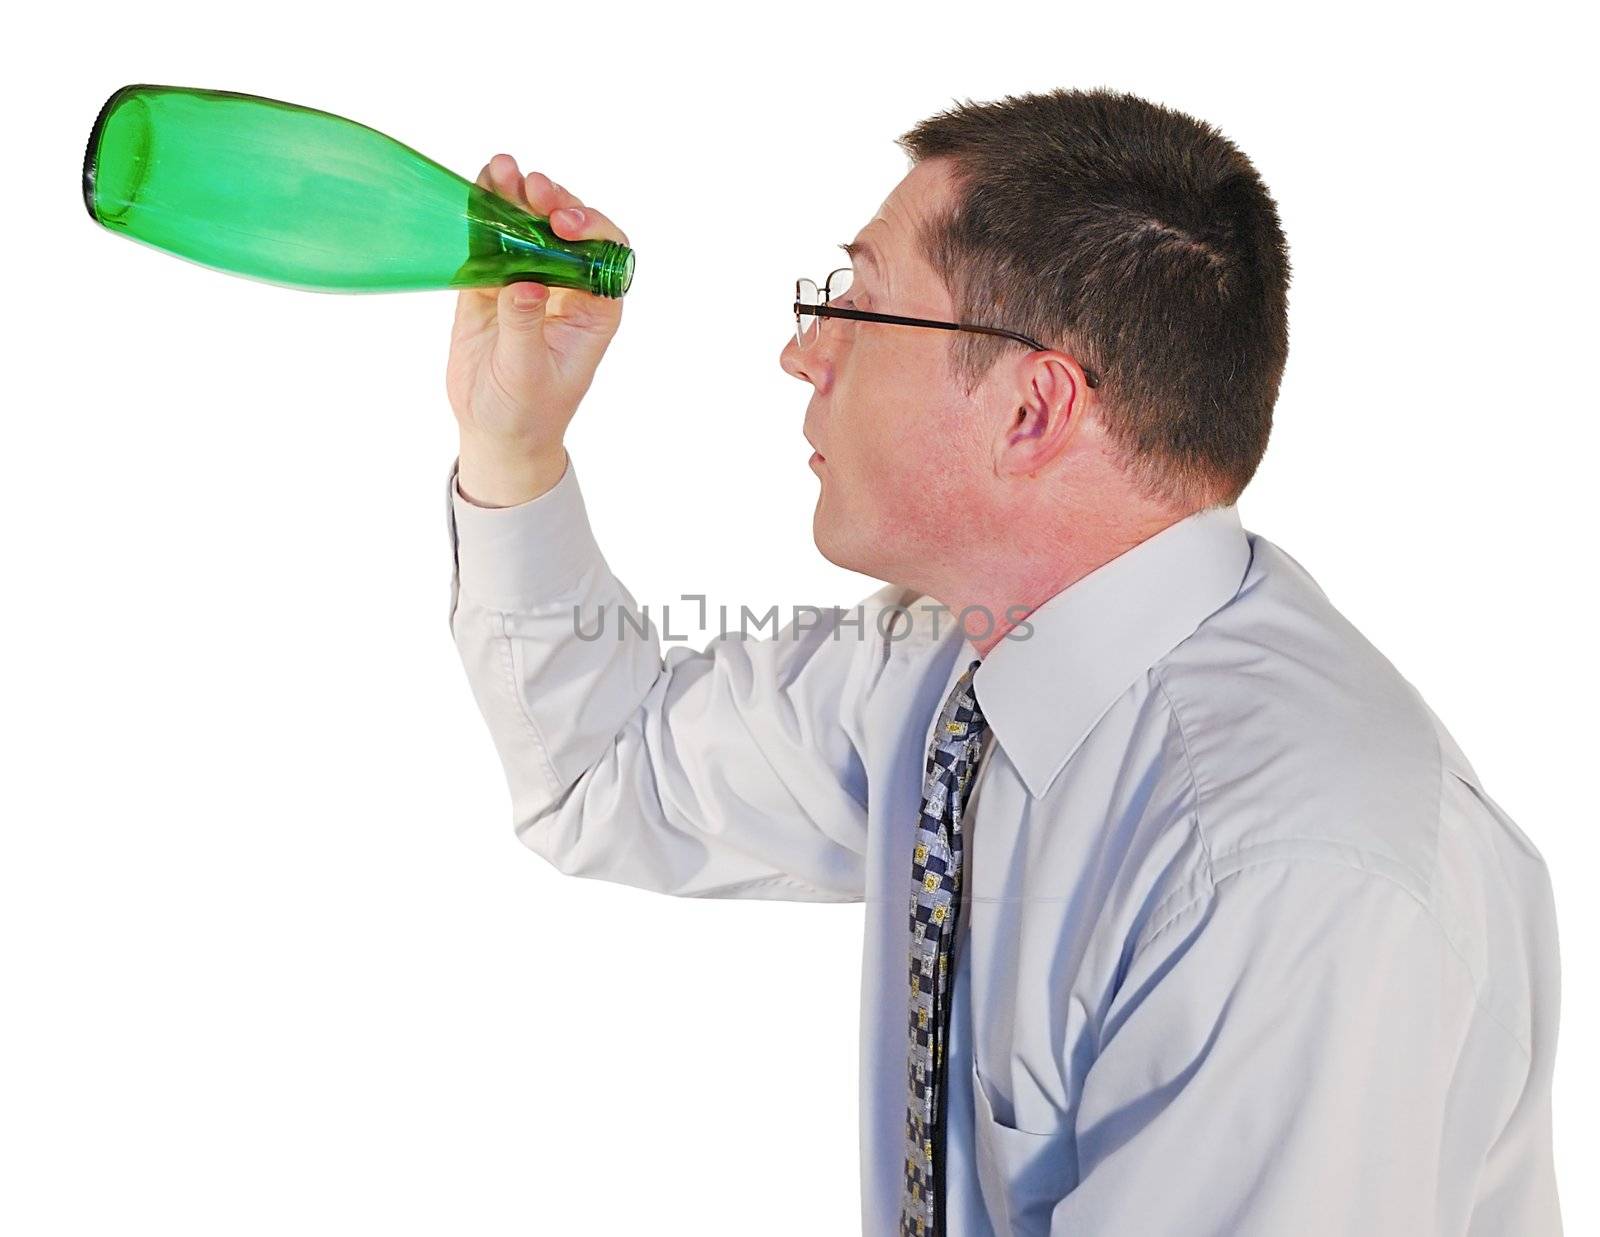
x=1136 y=243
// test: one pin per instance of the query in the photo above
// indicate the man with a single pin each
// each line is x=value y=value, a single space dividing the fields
x=1184 y=912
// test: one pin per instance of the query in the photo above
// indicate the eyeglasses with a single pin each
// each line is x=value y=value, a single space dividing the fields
x=811 y=305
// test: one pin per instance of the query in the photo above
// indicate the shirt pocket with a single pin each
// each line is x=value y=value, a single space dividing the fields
x=1022 y=1174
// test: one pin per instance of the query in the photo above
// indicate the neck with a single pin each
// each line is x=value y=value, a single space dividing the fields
x=1009 y=582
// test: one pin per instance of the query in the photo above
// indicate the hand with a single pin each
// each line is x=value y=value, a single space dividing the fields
x=522 y=356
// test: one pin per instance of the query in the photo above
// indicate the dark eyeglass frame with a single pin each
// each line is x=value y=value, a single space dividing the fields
x=825 y=310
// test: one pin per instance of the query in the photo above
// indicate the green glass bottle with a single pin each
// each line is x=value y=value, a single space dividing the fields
x=293 y=196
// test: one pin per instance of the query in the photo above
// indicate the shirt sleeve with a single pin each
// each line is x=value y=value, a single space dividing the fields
x=734 y=771
x=1289 y=1053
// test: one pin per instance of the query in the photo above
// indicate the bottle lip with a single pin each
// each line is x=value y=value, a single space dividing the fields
x=615 y=270
x=91 y=152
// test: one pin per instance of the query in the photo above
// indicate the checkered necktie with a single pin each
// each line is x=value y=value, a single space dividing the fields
x=935 y=902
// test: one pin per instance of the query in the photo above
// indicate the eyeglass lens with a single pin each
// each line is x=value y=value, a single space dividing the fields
x=806 y=292
x=805 y=325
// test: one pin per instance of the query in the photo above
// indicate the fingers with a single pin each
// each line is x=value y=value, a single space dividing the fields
x=505 y=178
x=544 y=195
x=540 y=195
x=585 y=224
x=570 y=218
x=475 y=307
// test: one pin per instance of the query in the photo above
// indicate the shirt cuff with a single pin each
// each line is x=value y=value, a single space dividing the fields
x=516 y=558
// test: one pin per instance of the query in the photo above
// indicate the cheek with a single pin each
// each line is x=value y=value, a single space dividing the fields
x=907 y=460
x=918 y=457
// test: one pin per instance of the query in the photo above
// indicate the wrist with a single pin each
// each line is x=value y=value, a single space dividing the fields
x=492 y=474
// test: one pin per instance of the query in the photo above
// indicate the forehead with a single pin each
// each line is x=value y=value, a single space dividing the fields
x=920 y=195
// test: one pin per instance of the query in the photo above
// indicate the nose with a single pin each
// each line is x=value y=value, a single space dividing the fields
x=808 y=366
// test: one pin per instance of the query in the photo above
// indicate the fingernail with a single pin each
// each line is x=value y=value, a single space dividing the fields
x=574 y=216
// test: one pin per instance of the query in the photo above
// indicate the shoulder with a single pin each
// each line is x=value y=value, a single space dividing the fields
x=1307 y=746
x=1298 y=731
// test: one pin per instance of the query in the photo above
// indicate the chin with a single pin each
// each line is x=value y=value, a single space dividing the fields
x=846 y=548
x=827 y=541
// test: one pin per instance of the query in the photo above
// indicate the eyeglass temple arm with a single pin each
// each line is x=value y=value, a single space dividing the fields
x=863 y=315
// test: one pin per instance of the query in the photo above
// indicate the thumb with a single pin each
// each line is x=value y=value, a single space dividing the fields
x=520 y=310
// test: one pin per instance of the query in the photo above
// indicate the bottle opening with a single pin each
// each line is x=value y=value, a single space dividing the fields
x=615 y=272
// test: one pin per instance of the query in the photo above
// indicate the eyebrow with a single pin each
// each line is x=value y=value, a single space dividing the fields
x=855 y=250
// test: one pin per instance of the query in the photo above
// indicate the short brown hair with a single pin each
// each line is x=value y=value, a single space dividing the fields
x=1138 y=239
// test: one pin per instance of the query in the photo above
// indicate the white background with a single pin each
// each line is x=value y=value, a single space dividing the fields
x=273 y=960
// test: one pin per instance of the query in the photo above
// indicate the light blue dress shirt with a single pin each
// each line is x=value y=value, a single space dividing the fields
x=1244 y=947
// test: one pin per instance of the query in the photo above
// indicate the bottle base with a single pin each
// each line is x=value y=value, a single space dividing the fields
x=91 y=152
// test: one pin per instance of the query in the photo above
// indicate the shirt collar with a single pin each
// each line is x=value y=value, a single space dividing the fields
x=1095 y=638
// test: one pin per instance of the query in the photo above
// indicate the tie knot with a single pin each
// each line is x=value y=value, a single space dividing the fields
x=961 y=714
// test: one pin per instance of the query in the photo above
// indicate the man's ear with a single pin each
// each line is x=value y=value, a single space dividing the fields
x=1047 y=406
